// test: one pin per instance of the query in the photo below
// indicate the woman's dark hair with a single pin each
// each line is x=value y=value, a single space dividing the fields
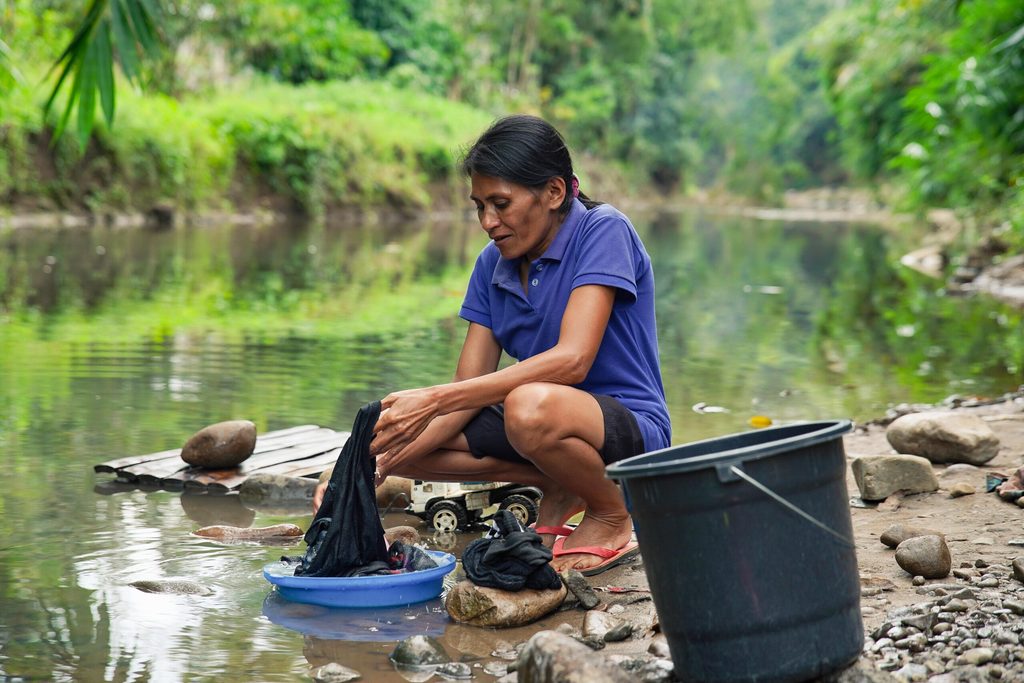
x=526 y=150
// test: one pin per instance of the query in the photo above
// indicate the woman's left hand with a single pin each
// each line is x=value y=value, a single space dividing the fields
x=404 y=415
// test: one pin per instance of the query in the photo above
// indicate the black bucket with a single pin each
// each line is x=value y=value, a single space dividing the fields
x=748 y=548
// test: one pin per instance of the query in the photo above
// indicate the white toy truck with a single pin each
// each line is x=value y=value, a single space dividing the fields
x=450 y=506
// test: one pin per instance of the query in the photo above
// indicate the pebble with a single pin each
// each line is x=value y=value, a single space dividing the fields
x=1018 y=567
x=455 y=671
x=419 y=650
x=918 y=581
x=984 y=540
x=961 y=489
x=659 y=647
x=976 y=656
x=926 y=556
x=334 y=673
x=911 y=672
x=578 y=586
x=1016 y=541
x=1015 y=606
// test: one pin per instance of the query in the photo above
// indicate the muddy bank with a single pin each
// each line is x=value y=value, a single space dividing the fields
x=984 y=533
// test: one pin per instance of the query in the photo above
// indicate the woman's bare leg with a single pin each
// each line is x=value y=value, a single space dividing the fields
x=560 y=429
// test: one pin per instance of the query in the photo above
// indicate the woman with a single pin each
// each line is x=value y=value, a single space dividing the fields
x=564 y=287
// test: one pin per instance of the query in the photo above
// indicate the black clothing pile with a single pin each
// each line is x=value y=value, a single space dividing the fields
x=346 y=537
x=510 y=558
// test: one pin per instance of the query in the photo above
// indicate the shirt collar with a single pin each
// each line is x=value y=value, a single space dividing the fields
x=507 y=271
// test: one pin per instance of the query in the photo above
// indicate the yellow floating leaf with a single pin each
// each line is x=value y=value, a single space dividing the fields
x=760 y=421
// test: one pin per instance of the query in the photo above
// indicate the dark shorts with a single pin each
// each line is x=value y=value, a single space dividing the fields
x=622 y=438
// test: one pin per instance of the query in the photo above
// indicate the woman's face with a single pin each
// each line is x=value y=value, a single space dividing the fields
x=521 y=221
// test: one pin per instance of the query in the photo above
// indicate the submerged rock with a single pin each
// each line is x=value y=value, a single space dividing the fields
x=495 y=608
x=264 y=489
x=335 y=673
x=275 y=533
x=926 y=556
x=419 y=651
x=221 y=445
x=944 y=437
x=173 y=586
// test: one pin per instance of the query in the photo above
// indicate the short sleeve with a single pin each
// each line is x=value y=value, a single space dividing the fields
x=476 y=307
x=607 y=254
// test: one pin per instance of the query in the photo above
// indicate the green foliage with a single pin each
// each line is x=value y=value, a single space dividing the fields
x=131 y=26
x=963 y=139
x=300 y=40
x=313 y=145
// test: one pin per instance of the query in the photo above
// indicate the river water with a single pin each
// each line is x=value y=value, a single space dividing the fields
x=119 y=342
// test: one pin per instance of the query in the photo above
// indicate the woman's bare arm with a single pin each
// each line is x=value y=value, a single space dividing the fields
x=407 y=414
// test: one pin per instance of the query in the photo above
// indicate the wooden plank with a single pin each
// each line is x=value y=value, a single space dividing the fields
x=306 y=467
x=195 y=477
x=298 y=468
x=129 y=461
x=146 y=473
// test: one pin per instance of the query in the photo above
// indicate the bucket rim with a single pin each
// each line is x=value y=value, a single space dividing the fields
x=647 y=464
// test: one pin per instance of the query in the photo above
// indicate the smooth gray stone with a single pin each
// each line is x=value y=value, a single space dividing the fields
x=944 y=437
x=897 y=533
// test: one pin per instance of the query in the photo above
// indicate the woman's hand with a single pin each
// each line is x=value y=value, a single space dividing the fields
x=404 y=415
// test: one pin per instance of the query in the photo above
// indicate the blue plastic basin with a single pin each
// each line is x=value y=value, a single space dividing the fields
x=388 y=590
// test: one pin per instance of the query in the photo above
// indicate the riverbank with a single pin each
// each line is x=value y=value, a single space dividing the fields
x=984 y=537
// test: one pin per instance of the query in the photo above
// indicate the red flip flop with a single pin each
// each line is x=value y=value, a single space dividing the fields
x=562 y=530
x=612 y=558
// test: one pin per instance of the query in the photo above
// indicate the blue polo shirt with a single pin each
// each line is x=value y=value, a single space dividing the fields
x=592 y=247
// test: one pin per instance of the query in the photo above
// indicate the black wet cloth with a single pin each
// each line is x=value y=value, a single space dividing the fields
x=346 y=535
x=402 y=558
x=510 y=558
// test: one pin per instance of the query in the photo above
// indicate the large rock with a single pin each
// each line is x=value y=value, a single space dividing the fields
x=552 y=657
x=926 y=556
x=220 y=446
x=495 y=608
x=944 y=437
x=269 y=489
x=897 y=533
x=880 y=476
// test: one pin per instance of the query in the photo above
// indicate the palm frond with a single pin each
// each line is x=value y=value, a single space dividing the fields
x=130 y=26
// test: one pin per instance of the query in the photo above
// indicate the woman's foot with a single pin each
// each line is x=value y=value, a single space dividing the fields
x=613 y=532
x=556 y=508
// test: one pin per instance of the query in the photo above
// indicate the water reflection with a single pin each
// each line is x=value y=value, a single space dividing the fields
x=116 y=343
x=378 y=624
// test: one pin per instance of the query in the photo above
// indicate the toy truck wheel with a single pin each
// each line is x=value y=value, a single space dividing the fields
x=523 y=507
x=446 y=516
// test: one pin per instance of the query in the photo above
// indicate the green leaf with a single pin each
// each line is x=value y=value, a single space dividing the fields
x=86 y=86
x=120 y=24
x=105 y=70
x=142 y=27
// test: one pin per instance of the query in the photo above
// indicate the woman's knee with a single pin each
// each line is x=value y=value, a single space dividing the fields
x=530 y=417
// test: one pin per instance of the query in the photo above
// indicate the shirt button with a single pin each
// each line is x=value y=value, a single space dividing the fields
x=535 y=282
x=540 y=266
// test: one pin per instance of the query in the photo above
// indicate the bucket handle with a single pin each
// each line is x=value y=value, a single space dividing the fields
x=733 y=469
